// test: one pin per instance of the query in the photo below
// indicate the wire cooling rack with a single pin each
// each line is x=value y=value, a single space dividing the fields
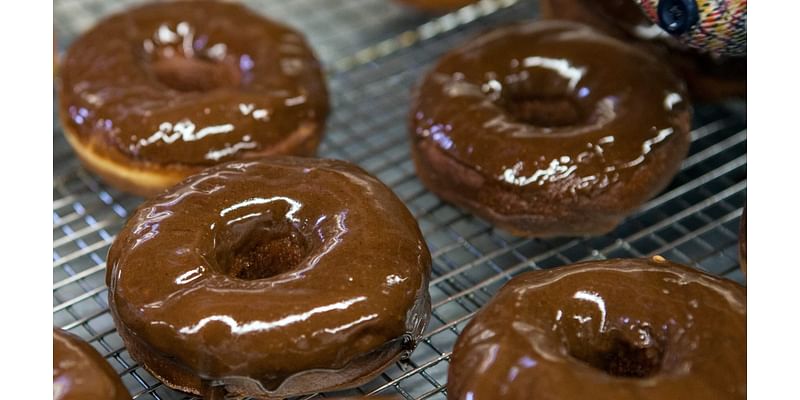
x=375 y=51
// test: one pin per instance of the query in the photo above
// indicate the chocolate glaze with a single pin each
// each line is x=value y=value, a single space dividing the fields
x=274 y=277
x=616 y=329
x=549 y=128
x=190 y=83
x=709 y=78
x=80 y=373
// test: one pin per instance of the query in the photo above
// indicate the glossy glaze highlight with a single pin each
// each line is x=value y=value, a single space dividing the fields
x=269 y=270
x=616 y=329
x=549 y=112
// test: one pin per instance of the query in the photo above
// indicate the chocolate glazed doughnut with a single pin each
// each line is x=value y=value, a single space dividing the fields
x=270 y=278
x=80 y=373
x=549 y=128
x=708 y=78
x=159 y=92
x=616 y=329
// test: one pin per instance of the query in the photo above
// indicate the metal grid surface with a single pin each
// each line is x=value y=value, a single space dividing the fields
x=694 y=221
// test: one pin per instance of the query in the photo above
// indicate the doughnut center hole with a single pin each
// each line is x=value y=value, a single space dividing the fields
x=617 y=356
x=260 y=249
x=547 y=111
x=264 y=257
x=194 y=74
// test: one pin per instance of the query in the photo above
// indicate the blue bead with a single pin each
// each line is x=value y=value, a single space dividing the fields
x=677 y=16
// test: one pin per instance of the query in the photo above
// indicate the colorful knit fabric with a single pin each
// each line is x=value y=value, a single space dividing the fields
x=721 y=29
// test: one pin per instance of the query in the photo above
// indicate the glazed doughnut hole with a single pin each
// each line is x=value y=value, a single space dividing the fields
x=259 y=245
x=542 y=111
x=179 y=59
x=616 y=355
x=194 y=74
x=541 y=99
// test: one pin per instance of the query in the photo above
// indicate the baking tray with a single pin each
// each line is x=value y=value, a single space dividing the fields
x=374 y=51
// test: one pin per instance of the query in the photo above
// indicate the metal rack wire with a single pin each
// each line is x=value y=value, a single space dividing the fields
x=375 y=51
